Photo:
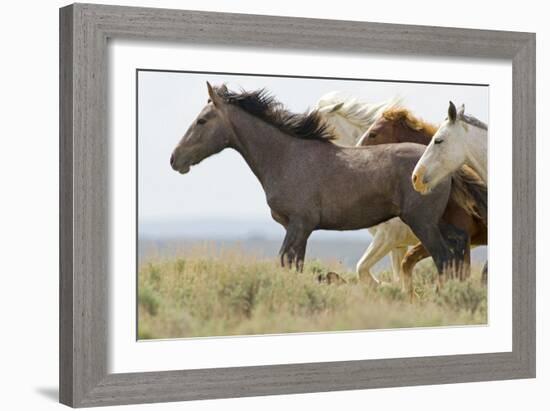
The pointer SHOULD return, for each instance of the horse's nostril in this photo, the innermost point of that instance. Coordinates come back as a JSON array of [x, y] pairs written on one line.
[[415, 178], [172, 159]]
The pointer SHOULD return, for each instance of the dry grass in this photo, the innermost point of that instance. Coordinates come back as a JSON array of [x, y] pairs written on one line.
[[231, 293]]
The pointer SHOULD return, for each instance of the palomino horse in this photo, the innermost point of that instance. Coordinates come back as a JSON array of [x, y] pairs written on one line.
[[461, 139], [467, 206], [311, 184], [349, 119]]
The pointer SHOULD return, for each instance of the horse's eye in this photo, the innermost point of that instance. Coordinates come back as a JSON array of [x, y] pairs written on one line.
[[438, 141], [201, 121], [372, 135]]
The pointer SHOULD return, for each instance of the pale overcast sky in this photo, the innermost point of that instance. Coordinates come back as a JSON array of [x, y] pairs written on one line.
[[223, 187]]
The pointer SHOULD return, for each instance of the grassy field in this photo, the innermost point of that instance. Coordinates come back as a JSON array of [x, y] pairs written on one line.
[[230, 292]]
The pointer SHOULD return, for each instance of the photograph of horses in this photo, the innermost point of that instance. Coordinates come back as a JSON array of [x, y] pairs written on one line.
[[280, 204]]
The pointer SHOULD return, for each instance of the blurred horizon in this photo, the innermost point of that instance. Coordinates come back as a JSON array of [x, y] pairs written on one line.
[[176, 238]]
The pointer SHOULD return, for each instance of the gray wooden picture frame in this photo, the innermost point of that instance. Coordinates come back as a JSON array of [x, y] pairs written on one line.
[[84, 203]]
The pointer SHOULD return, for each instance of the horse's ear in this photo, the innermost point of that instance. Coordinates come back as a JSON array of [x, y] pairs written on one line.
[[223, 89], [336, 107], [214, 98], [460, 113], [451, 113]]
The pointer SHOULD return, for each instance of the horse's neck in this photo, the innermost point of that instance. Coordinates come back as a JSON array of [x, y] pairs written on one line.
[[416, 136], [350, 138], [348, 132], [262, 146], [361, 120], [477, 151]]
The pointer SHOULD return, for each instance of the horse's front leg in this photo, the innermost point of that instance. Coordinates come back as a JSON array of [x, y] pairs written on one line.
[[301, 254], [293, 250], [397, 255], [285, 247], [376, 250]]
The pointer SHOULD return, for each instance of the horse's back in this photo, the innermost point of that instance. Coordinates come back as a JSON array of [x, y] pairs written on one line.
[[406, 151], [386, 157]]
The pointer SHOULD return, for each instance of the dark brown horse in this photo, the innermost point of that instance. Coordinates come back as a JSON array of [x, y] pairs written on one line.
[[399, 125], [312, 184]]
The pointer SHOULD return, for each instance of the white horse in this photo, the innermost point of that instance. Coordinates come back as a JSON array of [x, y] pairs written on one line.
[[350, 119], [461, 139]]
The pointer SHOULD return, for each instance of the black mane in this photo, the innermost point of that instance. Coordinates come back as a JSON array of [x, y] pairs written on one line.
[[261, 104]]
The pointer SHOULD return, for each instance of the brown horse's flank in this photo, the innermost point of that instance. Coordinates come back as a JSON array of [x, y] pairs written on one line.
[[467, 207]]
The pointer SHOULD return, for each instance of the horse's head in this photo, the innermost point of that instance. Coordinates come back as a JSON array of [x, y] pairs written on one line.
[[331, 109], [382, 131], [445, 154], [350, 117], [397, 125], [344, 131], [207, 135]]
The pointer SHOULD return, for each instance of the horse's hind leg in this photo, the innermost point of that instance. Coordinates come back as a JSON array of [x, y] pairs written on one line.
[[377, 249], [411, 258], [459, 245], [432, 238], [417, 254], [397, 255], [484, 273]]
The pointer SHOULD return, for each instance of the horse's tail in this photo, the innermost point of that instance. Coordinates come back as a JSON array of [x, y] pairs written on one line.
[[469, 191]]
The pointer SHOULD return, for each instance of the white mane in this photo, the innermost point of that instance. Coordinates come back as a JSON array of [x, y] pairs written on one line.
[[357, 112]]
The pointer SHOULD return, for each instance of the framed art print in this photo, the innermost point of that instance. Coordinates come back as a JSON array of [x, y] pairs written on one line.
[[257, 205], [215, 231]]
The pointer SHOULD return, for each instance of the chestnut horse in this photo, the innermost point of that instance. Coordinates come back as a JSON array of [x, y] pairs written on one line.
[[399, 125]]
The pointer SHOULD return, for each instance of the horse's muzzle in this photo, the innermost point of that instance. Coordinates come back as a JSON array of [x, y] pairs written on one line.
[[418, 180], [177, 166]]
